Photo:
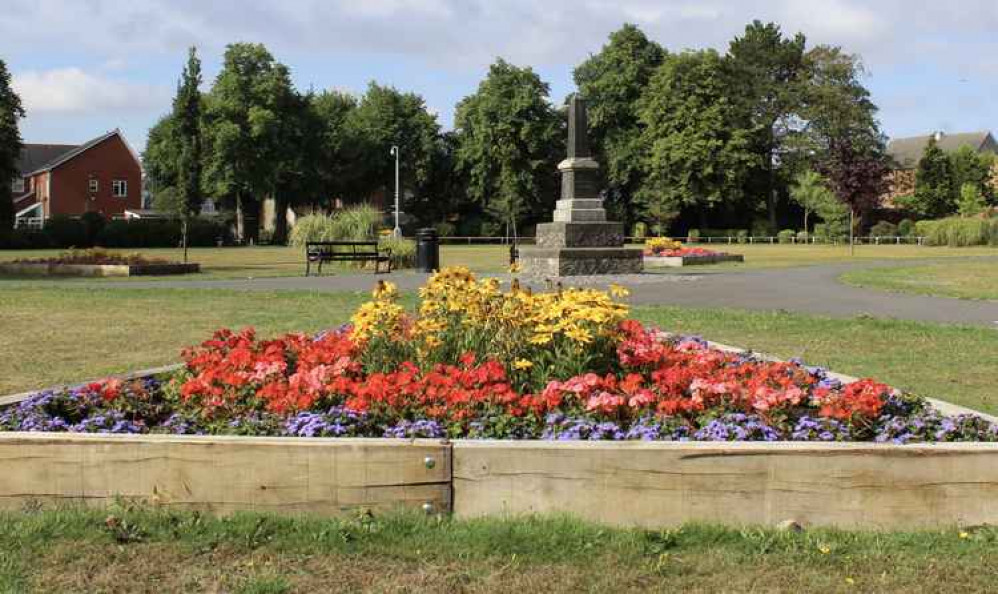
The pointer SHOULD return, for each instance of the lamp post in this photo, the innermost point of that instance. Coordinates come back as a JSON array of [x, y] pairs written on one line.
[[395, 152]]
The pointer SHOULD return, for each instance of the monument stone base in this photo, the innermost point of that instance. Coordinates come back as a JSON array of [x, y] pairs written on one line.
[[580, 261]]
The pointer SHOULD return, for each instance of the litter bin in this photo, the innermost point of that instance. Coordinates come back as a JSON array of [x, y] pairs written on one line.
[[427, 250]]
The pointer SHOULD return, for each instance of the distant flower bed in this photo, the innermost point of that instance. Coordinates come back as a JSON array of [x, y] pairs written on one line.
[[95, 256], [475, 361], [664, 247]]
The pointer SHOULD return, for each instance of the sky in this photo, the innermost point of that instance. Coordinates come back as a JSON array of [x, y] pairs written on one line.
[[83, 67]]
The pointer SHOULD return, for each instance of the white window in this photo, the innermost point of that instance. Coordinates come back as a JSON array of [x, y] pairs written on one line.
[[17, 185], [93, 186], [119, 188]]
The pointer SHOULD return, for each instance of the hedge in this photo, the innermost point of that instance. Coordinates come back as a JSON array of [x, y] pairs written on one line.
[[65, 232]]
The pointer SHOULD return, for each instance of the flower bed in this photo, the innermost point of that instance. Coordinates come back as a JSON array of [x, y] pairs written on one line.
[[477, 362], [662, 251], [96, 262]]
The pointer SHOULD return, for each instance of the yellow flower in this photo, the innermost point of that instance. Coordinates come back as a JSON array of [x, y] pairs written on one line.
[[964, 535], [580, 335], [540, 339], [850, 581], [824, 549], [522, 364], [514, 268], [618, 291], [385, 290]]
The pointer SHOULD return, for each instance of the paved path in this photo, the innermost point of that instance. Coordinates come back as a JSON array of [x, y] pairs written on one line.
[[810, 289]]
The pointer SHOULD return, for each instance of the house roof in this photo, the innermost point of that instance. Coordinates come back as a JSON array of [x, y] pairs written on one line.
[[59, 160], [907, 151], [36, 156]]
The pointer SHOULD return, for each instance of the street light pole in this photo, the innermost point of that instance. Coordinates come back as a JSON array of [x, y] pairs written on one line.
[[398, 230]]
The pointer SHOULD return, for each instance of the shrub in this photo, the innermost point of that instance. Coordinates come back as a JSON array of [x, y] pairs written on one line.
[[445, 229], [354, 223], [956, 231], [786, 236], [802, 237], [742, 235], [141, 233], [24, 239], [403, 250], [761, 228], [693, 235], [884, 229], [65, 232], [906, 228], [821, 233], [640, 231], [93, 223]]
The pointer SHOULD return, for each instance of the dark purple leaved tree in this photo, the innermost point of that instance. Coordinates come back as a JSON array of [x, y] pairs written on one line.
[[857, 174]]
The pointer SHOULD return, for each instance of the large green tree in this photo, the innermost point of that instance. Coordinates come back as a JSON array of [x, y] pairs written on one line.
[[387, 117], [767, 74], [613, 81], [935, 189], [699, 153], [974, 168], [247, 141], [10, 145], [342, 150], [509, 142]]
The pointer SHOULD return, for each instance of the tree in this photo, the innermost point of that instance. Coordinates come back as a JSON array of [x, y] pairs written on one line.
[[812, 194], [971, 201], [187, 115], [613, 82], [245, 139], [340, 158], [769, 69], [698, 151], [508, 143], [857, 174], [161, 155], [386, 117], [935, 194], [970, 167], [10, 146]]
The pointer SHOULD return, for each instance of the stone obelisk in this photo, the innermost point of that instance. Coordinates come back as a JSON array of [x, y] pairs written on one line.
[[580, 241]]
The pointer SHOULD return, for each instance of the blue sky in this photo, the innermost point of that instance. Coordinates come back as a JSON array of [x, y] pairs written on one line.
[[86, 66]]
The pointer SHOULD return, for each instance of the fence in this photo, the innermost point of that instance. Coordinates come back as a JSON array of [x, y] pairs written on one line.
[[749, 240], [35, 223]]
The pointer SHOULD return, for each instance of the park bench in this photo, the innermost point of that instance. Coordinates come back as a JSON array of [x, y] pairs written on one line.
[[317, 252]]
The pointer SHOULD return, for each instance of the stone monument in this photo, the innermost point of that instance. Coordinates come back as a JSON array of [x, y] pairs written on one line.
[[580, 241]]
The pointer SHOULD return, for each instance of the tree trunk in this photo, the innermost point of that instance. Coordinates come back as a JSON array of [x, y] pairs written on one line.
[[280, 236], [240, 219], [852, 228], [806, 232], [183, 236]]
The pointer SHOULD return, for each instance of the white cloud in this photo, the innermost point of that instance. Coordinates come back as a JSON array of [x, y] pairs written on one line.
[[71, 90]]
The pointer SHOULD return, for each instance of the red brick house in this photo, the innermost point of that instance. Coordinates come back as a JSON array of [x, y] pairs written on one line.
[[103, 175]]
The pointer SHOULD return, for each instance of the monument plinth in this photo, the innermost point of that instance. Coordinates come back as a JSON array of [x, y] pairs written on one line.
[[580, 241]]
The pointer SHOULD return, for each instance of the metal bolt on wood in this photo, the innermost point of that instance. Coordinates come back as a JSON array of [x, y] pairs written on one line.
[[429, 462], [428, 507]]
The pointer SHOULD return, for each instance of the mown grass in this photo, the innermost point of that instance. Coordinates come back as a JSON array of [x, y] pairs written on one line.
[[76, 334], [51, 336], [950, 362], [73, 550], [966, 279]]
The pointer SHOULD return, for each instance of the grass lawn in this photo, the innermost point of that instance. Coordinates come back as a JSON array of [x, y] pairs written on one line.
[[77, 334], [966, 279], [73, 550]]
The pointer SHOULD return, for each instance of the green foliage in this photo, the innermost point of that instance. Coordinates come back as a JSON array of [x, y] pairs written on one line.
[[970, 167], [403, 250], [187, 115], [768, 73], [699, 153], [786, 236], [148, 233], [167, 200], [613, 81], [935, 194], [93, 223], [958, 232], [10, 146], [354, 223], [445, 229], [811, 193], [692, 234], [385, 117], [339, 159], [971, 200], [640, 230], [66, 232], [884, 229], [507, 141], [906, 228]]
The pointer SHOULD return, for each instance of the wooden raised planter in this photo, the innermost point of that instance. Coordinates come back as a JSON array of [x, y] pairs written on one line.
[[47, 269], [224, 474], [679, 261]]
